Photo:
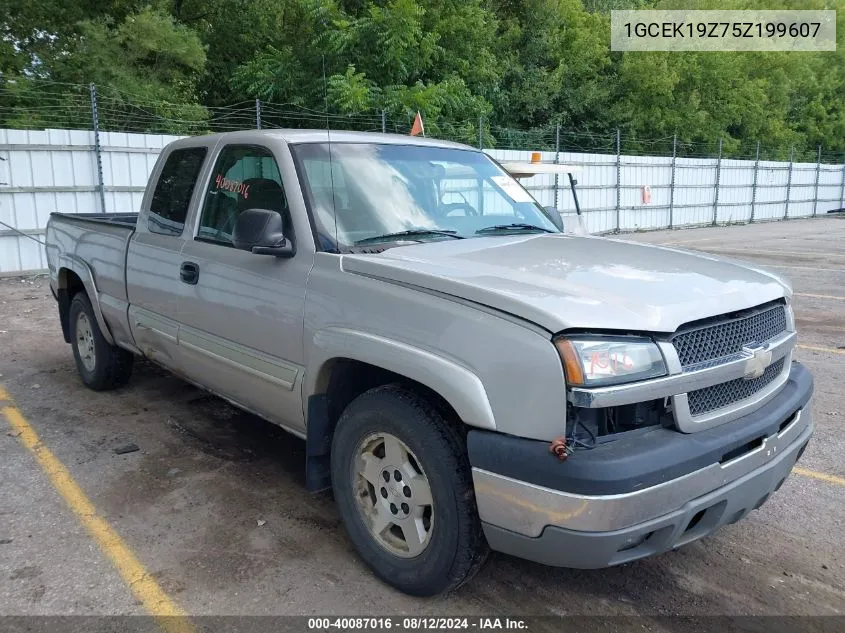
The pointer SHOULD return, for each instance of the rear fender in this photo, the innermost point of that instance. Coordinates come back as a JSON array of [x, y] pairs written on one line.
[[84, 272]]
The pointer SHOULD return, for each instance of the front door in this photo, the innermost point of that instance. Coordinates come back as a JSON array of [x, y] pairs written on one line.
[[241, 323]]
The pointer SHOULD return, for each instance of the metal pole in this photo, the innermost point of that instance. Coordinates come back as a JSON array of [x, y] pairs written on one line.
[[789, 181], [618, 178], [754, 183], [574, 195], [718, 178], [257, 114], [383, 122], [672, 184], [557, 161], [816, 186], [842, 187], [480, 186], [95, 118]]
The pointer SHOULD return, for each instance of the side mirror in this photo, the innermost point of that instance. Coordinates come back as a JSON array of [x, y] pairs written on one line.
[[261, 231], [555, 217]]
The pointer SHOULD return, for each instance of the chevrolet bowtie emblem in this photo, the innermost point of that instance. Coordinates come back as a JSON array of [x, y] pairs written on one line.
[[759, 357]]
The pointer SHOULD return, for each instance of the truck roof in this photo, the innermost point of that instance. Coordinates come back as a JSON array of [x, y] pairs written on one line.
[[322, 136]]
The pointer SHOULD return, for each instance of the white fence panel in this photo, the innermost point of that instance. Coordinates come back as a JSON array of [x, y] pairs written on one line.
[[831, 190], [56, 170], [695, 191], [736, 182], [772, 186], [42, 171], [802, 191]]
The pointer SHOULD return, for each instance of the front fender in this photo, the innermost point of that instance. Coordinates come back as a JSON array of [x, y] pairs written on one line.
[[460, 387], [84, 272]]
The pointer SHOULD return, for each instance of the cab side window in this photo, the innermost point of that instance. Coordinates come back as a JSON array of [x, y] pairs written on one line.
[[175, 186], [244, 177]]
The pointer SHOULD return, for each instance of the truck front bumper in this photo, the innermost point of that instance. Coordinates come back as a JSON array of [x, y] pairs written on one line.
[[627, 498]]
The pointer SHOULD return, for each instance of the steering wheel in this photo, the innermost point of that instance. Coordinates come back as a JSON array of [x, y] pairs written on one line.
[[449, 208]]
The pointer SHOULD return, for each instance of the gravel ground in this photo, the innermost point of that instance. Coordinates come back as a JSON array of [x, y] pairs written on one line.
[[214, 504]]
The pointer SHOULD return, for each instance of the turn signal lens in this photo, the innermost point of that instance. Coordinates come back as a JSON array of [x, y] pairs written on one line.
[[571, 364]]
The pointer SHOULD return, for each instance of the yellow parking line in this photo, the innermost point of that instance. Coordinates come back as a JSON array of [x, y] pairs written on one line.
[[831, 479], [805, 294], [829, 350], [168, 614]]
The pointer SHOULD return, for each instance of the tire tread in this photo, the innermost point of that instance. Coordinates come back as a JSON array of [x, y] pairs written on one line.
[[114, 364]]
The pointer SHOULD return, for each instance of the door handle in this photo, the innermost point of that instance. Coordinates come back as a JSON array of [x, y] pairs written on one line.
[[189, 273]]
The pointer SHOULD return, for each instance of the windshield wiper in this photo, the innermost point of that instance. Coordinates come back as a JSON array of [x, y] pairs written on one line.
[[409, 233], [516, 226]]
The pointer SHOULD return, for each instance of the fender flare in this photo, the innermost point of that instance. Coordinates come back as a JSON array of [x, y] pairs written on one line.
[[84, 272], [459, 386]]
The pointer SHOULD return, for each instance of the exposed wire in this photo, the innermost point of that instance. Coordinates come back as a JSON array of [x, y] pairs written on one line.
[[33, 238], [573, 441]]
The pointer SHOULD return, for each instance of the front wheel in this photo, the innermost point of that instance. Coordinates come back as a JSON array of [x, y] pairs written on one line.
[[403, 486], [100, 364]]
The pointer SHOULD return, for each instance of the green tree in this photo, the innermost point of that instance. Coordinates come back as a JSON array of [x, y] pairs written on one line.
[[520, 64], [557, 64], [780, 98], [147, 54], [241, 32], [146, 66], [400, 56]]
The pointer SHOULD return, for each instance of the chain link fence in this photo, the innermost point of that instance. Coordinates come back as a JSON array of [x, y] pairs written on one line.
[[80, 148]]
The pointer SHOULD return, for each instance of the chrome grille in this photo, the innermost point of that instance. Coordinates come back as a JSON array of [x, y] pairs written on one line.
[[728, 337], [718, 396]]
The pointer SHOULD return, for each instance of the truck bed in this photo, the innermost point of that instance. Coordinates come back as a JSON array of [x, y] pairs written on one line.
[[92, 246]]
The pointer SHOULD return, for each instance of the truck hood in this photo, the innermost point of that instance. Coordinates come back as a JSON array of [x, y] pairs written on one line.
[[561, 282]]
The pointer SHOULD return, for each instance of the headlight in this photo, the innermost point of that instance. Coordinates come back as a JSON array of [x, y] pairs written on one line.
[[599, 361]]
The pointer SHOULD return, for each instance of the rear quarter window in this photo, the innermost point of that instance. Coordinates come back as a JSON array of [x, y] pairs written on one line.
[[175, 186]]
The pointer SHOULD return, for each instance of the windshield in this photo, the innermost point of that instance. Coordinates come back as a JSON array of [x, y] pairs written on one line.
[[369, 193]]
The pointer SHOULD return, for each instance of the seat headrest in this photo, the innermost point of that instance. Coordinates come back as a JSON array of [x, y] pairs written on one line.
[[263, 194]]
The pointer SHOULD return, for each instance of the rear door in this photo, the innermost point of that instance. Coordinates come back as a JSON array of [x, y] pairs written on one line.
[[241, 324], [153, 276]]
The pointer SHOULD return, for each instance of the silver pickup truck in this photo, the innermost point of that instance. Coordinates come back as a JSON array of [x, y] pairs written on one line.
[[466, 376]]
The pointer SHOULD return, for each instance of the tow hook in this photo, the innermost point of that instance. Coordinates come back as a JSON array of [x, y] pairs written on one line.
[[558, 448]]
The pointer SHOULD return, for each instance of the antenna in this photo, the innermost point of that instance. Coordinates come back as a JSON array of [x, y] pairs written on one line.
[[331, 165]]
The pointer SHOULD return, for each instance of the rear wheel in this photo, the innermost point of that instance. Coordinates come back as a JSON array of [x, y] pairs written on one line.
[[101, 365], [404, 489]]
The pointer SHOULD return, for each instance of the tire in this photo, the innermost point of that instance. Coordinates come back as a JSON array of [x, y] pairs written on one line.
[[448, 529], [101, 365]]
